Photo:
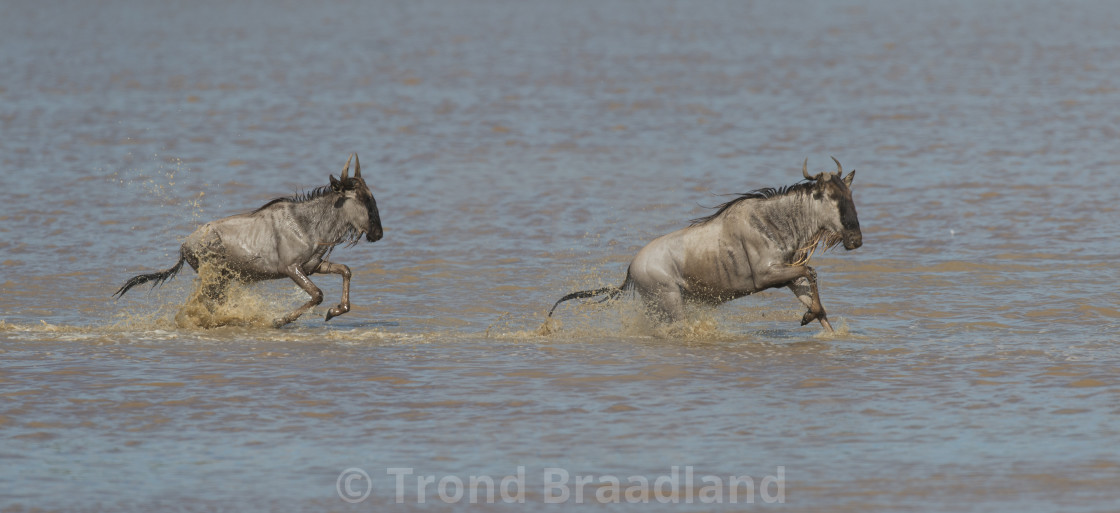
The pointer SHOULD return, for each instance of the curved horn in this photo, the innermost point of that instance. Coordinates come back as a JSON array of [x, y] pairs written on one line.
[[357, 167], [805, 169], [839, 168], [346, 168]]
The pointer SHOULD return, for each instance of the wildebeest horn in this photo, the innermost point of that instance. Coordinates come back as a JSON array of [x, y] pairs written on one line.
[[839, 168], [805, 169], [357, 167], [346, 169]]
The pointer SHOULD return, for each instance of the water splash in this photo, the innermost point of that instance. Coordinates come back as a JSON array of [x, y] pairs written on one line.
[[217, 300], [840, 330], [629, 318]]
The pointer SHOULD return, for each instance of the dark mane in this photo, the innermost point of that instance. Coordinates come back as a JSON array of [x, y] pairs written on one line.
[[759, 194], [299, 197]]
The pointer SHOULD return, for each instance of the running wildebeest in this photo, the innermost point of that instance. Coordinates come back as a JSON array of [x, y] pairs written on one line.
[[763, 239], [288, 237]]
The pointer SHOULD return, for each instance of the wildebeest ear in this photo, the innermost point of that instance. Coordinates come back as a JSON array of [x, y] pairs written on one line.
[[336, 184], [848, 179]]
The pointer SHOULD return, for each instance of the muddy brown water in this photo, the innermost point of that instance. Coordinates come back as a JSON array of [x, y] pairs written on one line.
[[519, 151]]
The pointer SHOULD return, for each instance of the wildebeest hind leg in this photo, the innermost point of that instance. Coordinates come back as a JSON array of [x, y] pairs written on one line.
[[805, 288], [332, 268], [667, 304], [296, 274], [215, 289]]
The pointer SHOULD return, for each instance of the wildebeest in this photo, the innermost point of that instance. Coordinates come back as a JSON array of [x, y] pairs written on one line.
[[289, 237], [760, 240]]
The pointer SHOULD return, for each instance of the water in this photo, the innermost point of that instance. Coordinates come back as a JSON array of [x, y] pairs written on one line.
[[519, 151]]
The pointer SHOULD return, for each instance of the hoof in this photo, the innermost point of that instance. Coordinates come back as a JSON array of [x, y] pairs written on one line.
[[811, 316], [336, 311], [280, 323]]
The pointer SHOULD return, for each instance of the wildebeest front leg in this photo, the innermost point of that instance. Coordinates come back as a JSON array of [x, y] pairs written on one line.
[[802, 280], [805, 288], [296, 274], [332, 268]]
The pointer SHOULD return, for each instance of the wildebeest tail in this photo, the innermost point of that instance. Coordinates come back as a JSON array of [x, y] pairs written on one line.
[[158, 277], [611, 292]]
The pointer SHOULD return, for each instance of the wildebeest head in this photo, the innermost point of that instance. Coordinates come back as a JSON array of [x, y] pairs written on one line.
[[835, 191], [356, 201]]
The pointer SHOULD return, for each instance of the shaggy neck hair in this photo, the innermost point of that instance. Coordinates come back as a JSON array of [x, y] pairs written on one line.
[[313, 211], [757, 194], [299, 197], [785, 224]]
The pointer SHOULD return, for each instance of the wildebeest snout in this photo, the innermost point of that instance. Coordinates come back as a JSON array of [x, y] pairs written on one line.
[[374, 234], [853, 240]]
